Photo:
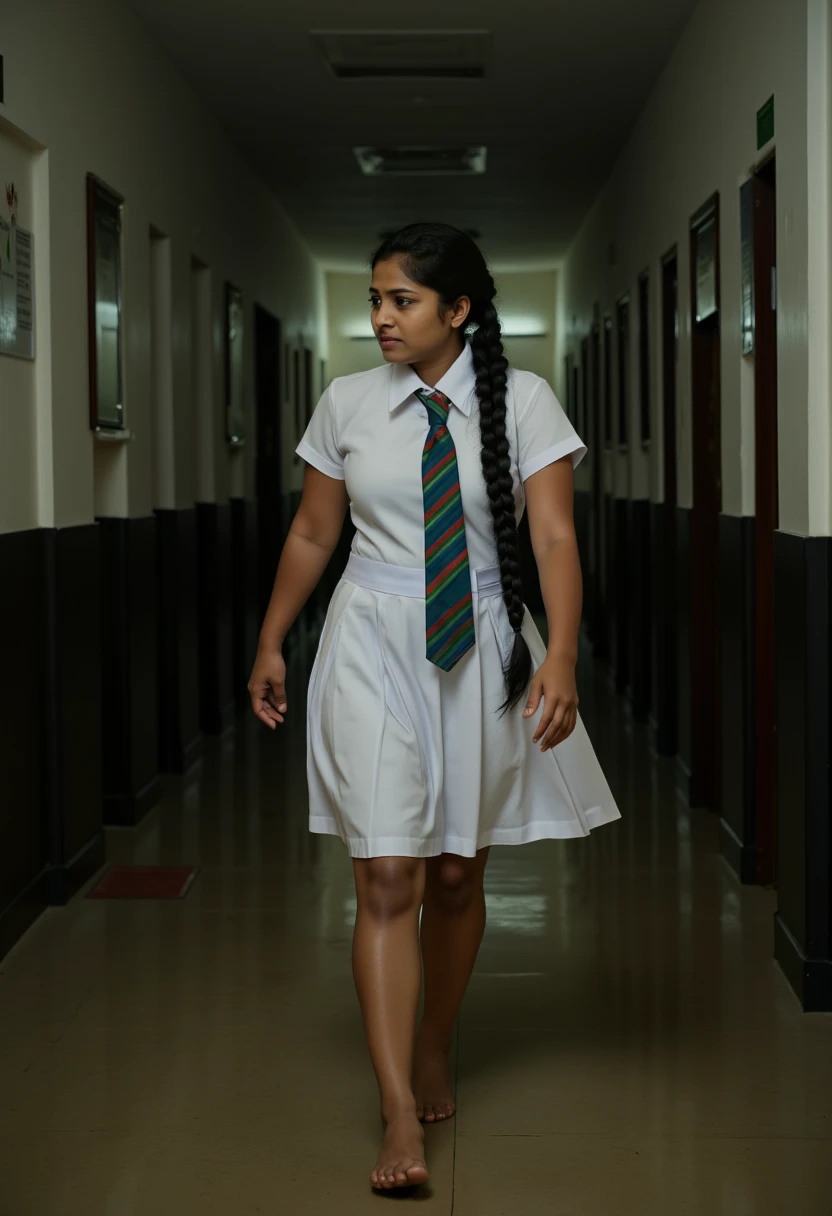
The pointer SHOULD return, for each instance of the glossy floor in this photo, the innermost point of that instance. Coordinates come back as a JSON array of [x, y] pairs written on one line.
[[627, 1044]]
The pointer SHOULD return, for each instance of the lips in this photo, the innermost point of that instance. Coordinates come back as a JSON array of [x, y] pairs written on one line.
[[388, 341]]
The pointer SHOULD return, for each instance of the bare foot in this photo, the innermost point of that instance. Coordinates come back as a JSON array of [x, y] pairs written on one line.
[[401, 1161], [432, 1084]]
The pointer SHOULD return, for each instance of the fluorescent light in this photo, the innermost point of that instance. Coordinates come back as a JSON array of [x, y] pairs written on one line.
[[523, 327]]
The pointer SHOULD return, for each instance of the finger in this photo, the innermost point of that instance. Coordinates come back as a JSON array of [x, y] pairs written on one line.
[[546, 719], [277, 698], [565, 729], [534, 698], [559, 712], [265, 711]]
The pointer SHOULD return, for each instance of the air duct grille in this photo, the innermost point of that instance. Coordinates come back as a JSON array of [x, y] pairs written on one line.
[[405, 54], [392, 162]]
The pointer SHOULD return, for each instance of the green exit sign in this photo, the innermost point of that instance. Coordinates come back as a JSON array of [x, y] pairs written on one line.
[[765, 123]]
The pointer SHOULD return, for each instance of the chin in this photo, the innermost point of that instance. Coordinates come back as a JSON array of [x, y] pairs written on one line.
[[397, 354]]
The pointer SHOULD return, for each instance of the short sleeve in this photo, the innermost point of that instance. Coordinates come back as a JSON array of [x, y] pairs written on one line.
[[319, 445], [544, 433]]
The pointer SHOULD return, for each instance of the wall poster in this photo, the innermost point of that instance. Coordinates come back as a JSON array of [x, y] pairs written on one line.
[[17, 283]]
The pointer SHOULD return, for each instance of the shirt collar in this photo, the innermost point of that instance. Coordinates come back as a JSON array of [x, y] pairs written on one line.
[[458, 383]]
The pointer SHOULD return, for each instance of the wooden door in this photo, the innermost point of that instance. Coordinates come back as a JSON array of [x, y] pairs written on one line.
[[268, 347], [706, 690], [766, 510]]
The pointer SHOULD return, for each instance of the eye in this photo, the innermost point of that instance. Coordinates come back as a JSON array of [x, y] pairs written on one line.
[[374, 300], [401, 301]]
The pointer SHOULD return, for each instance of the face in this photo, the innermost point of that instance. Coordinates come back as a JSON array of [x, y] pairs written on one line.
[[408, 319]]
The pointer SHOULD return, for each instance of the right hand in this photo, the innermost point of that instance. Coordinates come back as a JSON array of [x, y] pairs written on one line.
[[267, 687]]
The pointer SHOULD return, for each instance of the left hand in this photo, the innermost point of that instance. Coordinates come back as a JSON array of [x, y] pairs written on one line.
[[554, 680]]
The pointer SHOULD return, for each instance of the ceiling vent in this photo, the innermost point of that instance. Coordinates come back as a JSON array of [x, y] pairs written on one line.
[[405, 54], [400, 162]]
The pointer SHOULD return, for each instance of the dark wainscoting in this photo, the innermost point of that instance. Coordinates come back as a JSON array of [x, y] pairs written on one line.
[[74, 732], [50, 708], [129, 610], [216, 696], [24, 852], [622, 558], [683, 752], [664, 708], [244, 608], [180, 740], [802, 568], [609, 567], [736, 547], [641, 614]]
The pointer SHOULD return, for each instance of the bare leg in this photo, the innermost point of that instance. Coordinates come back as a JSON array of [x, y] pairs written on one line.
[[453, 923], [388, 978]]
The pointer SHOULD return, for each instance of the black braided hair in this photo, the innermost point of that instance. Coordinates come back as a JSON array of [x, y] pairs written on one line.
[[451, 263]]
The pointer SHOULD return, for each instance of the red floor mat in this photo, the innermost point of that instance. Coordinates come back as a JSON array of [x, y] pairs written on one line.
[[144, 882]]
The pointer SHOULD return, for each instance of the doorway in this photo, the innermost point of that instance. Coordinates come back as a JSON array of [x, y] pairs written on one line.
[[268, 347], [706, 698], [600, 647], [666, 667], [623, 590], [767, 516]]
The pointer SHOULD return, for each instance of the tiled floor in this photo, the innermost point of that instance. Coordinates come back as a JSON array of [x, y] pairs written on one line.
[[627, 1044]]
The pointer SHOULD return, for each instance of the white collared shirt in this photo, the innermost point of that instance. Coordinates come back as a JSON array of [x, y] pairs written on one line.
[[369, 430]]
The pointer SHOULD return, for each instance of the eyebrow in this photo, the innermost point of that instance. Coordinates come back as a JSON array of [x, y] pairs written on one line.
[[395, 291]]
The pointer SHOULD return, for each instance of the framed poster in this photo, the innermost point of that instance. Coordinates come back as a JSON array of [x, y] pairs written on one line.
[[747, 265], [705, 238], [234, 367], [104, 279], [17, 283], [623, 316]]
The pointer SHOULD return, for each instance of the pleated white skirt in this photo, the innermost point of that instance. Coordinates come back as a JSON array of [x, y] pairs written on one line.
[[404, 759]]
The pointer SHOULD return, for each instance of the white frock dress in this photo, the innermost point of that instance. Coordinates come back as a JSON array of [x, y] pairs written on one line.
[[404, 759]]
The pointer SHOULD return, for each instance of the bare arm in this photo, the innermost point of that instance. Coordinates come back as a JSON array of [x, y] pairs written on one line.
[[549, 499], [549, 502], [309, 545]]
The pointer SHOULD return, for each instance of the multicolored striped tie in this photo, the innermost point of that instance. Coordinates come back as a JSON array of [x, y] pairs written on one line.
[[449, 612]]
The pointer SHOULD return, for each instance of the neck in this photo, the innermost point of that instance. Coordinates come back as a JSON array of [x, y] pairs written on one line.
[[433, 368]]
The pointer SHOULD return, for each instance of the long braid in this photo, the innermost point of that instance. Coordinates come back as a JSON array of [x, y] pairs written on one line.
[[449, 262], [491, 366]]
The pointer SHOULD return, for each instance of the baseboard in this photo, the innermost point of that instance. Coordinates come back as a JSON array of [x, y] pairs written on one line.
[[810, 978], [21, 913], [741, 857], [63, 881], [683, 779], [127, 810]]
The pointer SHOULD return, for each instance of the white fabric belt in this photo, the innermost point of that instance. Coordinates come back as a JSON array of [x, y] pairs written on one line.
[[410, 580]]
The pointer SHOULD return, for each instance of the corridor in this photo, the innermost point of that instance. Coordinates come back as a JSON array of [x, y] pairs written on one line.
[[627, 1045]]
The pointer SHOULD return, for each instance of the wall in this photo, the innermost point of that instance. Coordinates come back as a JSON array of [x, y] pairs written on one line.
[[697, 135], [111, 104]]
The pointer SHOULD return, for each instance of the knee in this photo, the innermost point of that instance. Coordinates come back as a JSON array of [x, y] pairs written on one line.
[[390, 886], [455, 884]]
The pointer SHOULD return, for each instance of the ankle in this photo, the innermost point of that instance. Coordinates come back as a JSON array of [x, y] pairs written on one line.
[[430, 1039], [398, 1108]]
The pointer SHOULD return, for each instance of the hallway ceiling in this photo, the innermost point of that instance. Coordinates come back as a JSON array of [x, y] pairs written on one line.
[[565, 83]]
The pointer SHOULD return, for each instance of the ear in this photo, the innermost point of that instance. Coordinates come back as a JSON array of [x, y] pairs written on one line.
[[461, 309]]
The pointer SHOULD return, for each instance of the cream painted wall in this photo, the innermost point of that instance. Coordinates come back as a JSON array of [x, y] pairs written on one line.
[[86, 83], [521, 296], [697, 135]]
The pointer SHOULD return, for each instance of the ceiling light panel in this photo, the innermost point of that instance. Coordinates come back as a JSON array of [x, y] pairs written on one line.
[[405, 54]]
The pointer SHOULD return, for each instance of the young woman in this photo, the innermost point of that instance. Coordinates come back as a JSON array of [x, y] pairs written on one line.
[[437, 721]]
